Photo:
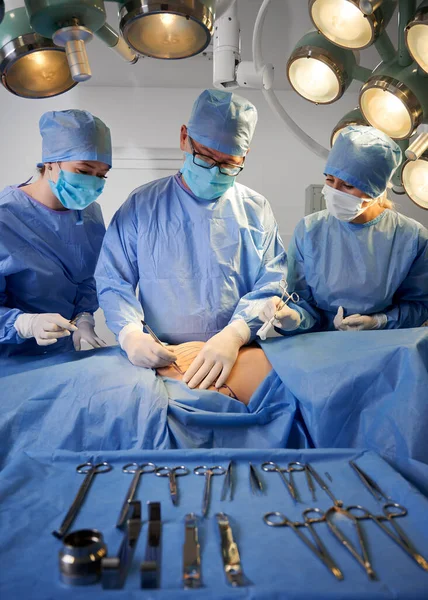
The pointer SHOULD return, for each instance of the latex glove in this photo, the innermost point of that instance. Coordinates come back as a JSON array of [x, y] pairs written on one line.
[[142, 350], [46, 328], [363, 322], [286, 318], [85, 324], [338, 319], [216, 359]]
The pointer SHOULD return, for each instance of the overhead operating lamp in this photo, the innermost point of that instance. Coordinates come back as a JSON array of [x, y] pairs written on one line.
[[415, 180], [320, 71], [344, 23], [353, 117], [417, 36], [31, 66], [168, 30], [394, 99], [1, 10]]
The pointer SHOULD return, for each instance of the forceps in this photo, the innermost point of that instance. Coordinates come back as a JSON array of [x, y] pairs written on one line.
[[262, 332], [398, 535], [90, 470], [172, 473], [208, 472], [369, 483], [277, 519], [292, 467], [137, 471]]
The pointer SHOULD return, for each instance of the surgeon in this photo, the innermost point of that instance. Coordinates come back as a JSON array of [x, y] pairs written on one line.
[[202, 249], [360, 264], [50, 238]]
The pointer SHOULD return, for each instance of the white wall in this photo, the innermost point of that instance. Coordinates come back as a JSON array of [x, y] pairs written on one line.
[[278, 166]]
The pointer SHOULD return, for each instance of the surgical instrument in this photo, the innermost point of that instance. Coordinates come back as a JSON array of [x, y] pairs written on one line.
[[230, 553], [137, 471], [277, 519], [150, 568], [263, 331], [292, 467], [323, 485], [398, 535], [255, 481], [81, 556], [229, 482], [90, 470], [157, 340], [191, 554], [172, 473], [370, 483], [208, 472], [115, 569]]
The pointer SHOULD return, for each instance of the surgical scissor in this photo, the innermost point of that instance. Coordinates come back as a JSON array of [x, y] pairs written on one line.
[[90, 470], [136, 470], [172, 473], [292, 467], [263, 331], [277, 519], [208, 472], [398, 535]]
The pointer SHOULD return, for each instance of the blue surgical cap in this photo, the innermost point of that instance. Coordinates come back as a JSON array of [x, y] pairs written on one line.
[[74, 135], [223, 121], [365, 158]]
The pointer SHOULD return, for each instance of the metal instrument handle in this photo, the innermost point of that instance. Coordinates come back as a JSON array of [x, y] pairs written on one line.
[[191, 554], [230, 552]]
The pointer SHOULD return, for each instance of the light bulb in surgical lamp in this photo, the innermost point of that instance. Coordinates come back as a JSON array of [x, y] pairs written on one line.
[[389, 105], [168, 31], [415, 181], [417, 36], [31, 66], [343, 23]]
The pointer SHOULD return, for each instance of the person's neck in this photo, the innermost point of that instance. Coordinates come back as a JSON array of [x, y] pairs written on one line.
[[41, 191], [369, 214]]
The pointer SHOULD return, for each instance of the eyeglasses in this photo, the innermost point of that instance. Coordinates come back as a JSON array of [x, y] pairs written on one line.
[[206, 162]]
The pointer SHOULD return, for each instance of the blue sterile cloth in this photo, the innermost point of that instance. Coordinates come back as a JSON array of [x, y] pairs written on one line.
[[98, 400], [359, 389], [37, 490]]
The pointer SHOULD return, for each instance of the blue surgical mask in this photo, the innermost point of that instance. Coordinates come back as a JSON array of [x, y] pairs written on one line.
[[207, 184], [76, 191]]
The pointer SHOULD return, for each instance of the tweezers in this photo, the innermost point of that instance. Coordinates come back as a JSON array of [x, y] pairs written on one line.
[[370, 483], [255, 481], [228, 483], [150, 568]]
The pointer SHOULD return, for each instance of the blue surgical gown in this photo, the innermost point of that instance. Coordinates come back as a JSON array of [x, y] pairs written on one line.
[[376, 267], [198, 264], [47, 264]]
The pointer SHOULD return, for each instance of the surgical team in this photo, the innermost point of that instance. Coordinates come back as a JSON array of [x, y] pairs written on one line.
[[202, 250]]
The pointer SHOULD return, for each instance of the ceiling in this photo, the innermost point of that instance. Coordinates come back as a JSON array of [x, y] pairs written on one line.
[[286, 22]]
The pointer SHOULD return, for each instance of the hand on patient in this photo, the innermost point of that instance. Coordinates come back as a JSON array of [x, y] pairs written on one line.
[[215, 361], [143, 351], [286, 318], [359, 322]]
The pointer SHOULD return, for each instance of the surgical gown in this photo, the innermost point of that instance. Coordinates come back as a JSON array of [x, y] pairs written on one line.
[[47, 264], [198, 263], [376, 267]]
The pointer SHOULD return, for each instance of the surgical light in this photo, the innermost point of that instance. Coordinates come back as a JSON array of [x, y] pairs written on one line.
[[391, 105], [415, 180], [168, 30], [344, 24], [417, 36], [318, 70], [31, 66], [353, 117], [1, 10]]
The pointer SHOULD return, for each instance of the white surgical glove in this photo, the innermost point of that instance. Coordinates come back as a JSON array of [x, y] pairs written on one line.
[[142, 350], [215, 361], [46, 328], [338, 319], [287, 318], [85, 324], [363, 322]]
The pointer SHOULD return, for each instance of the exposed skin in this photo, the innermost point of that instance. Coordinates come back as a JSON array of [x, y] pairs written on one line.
[[226, 159], [368, 215], [41, 191]]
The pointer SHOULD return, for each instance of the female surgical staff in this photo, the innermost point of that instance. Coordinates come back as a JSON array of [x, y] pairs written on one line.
[[359, 264], [50, 238]]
